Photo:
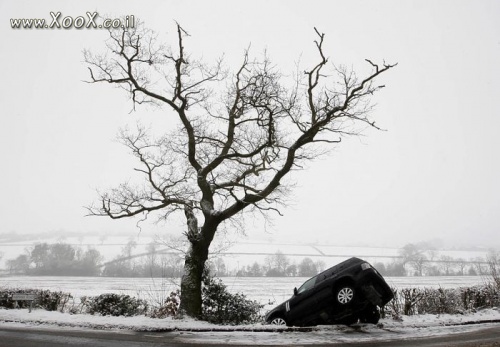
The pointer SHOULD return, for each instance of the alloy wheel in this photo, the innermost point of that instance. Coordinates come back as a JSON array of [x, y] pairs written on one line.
[[278, 321], [345, 295]]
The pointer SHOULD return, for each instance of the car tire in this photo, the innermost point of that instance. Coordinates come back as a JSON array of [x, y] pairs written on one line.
[[278, 320], [370, 315], [344, 295]]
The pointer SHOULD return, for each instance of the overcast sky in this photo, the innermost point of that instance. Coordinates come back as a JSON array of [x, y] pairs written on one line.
[[434, 174]]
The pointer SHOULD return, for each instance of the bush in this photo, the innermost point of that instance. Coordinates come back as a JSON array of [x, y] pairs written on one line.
[[111, 304], [439, 301], [169, 308], [50, 301], [480, 297], [221, 307], [411, 301]]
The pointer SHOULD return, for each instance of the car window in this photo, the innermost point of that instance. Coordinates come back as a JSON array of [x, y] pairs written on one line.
[[307, 285]]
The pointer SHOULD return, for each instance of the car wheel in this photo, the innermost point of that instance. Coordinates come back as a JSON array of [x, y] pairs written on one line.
[[370, 315], [344, 295], [278, 321]]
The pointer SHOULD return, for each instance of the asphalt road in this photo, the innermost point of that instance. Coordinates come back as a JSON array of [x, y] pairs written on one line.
[[487, 336]]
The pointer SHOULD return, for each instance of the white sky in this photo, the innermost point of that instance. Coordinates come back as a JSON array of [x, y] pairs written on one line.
[[433, 175]]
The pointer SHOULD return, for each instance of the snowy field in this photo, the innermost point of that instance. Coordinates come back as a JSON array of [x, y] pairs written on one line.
[[266, 290]]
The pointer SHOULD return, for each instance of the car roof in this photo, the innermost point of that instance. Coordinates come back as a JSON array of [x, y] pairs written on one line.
[[339, 267]]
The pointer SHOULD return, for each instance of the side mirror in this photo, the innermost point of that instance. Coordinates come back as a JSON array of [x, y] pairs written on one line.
[[295, 292]]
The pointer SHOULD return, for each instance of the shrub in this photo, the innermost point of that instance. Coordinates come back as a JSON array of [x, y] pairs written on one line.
[[221, 307], [494, 265], [411, 298], [169, 308], [53, 301], [111, 304], [439, 301], [395, 306], [480, 296], [46, 299], [411, 301]]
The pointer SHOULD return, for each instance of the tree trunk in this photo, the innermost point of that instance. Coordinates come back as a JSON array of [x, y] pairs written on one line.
[[194, 263]]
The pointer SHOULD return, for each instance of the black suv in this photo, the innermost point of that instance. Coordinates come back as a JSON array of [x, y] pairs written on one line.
[[345, 293]]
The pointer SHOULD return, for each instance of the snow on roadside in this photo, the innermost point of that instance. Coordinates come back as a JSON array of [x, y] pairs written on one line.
[[203, 332]]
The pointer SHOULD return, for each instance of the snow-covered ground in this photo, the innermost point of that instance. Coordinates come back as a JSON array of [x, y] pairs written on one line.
[[202, 332], [266, 290]]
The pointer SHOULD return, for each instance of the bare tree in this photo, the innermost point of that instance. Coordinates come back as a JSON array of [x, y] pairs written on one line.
[[217, 266], [414, 255], [462, 264], [478, 264], [239, 134], [446, 264], [277, 264], [307, 268], [493, 259]]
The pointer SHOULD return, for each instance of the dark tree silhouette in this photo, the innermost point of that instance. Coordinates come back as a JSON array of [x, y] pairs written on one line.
[[239, 134], [414, 255]]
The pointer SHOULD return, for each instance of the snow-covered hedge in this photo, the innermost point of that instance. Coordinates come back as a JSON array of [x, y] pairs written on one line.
[[222, 307], [111, 304], [411, 301], [45, 299]]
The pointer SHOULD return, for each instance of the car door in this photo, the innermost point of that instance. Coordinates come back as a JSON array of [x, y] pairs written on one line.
[[324, 294], [324, 291], [301, 305]]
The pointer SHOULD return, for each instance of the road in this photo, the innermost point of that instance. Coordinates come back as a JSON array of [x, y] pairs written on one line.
[[487, 337], [484, 336]]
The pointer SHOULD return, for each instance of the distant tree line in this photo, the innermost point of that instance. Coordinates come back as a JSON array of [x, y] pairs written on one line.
[[152, 264], [421, 259], [414, 260], [61, 259], [279, 265]]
